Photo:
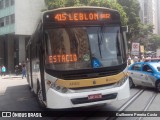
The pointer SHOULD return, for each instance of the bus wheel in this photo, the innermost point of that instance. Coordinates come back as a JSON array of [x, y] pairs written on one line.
[[131, 84], [40, 97], [158, 86]]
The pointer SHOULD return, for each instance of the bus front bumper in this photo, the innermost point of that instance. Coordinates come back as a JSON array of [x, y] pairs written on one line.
[[57, 100]]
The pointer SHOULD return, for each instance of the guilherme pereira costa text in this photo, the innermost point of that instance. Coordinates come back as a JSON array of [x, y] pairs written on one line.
[[136, 114]]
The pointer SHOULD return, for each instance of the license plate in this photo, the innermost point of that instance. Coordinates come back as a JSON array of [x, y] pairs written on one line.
[[95, 96]]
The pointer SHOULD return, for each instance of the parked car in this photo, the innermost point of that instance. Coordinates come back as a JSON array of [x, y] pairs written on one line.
[[145, 74]]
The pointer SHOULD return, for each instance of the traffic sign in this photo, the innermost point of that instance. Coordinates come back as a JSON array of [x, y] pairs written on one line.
[[135, 47]]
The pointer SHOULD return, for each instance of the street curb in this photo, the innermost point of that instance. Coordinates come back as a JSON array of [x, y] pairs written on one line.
[[9, 77]]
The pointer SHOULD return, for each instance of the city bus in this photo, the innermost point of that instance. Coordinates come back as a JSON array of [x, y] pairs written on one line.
[[77, 57]]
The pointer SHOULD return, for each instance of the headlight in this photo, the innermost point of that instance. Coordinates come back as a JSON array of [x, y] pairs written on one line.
[[58, 88], [64, 90], [121, 82]]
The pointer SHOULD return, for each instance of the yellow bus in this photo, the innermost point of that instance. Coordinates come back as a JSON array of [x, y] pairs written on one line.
[[77, 57]]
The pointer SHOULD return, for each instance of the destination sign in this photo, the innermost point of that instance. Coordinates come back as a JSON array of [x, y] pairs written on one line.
[[81, 16], [65, 58]]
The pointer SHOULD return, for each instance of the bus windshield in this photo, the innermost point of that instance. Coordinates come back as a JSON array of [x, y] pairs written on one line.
[[84, 47]]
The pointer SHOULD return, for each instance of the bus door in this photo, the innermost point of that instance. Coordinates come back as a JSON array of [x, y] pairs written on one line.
[[29, 66], [42, 64]]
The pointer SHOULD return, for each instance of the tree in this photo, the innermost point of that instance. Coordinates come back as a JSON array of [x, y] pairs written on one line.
[[132, 8], [138, 32], [52, 4], [155, 42], [142, 34]]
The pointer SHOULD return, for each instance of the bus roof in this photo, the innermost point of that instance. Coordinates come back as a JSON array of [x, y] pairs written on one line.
[[81, 13], [78, 7]]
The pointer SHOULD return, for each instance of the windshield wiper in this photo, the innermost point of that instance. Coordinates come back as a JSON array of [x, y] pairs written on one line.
[[99, 42], [100, 38], [118, 45]]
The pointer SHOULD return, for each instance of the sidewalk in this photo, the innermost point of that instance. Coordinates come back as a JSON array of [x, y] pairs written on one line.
[[10, 80], [10, 76], [15, 95]]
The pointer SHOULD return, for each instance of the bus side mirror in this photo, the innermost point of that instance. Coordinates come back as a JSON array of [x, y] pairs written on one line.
[[125, 29]]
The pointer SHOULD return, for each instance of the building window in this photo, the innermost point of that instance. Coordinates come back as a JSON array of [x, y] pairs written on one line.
[[12, 18], [6, 3], [7, 20], [1, 22], [1, 4], [12, 2]]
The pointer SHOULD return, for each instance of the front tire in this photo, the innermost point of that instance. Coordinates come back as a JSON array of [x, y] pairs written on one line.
[[131, 84], [40, 97], [158, 86]]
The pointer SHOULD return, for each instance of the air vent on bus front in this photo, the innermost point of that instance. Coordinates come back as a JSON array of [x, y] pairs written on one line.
[[89, 75]]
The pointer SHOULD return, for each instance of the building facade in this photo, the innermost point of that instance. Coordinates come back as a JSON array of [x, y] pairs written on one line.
[[158, 15], [149, 13], [18, 20]]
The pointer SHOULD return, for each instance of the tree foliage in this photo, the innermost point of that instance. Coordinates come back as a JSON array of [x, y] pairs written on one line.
[[132, 8], [52, 4], [154, 42], [139, 32]]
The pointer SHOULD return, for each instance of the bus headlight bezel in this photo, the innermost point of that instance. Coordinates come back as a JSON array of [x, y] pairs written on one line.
[[122, 81], [59, 88]]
